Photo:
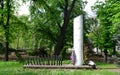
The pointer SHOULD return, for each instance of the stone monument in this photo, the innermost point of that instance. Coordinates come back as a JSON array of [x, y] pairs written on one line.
[[78, 40]]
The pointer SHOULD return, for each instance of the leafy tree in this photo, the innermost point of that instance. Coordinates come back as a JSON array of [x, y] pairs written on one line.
[[9, 24], [93, 33], [109, 22], [55, 20], [5, 11]]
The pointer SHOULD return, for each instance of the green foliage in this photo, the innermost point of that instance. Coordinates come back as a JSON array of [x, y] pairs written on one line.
[[11, 27], [105, 13], [42, 27], [18, 30], [109, 21], [38, 52], [15, 25], [48, 18]]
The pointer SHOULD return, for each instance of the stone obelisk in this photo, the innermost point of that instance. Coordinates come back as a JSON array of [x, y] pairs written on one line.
[[78, 40]]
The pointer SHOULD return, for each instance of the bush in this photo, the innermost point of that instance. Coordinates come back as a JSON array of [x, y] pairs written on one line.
[[38, 52]]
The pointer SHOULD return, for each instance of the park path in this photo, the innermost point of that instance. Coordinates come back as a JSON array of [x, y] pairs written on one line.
[[115, 70], [112, 69]]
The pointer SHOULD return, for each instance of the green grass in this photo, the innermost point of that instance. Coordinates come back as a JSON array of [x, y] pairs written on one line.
[[66, 61], [15, 68], [104, 65], [99, 64]]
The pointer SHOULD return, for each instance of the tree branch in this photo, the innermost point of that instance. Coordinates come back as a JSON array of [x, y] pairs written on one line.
[[71, 7], [65, 10], [59, 25], [8, 13]]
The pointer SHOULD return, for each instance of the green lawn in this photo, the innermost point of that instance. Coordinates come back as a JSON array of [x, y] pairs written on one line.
[[104, 65], [15, 68]]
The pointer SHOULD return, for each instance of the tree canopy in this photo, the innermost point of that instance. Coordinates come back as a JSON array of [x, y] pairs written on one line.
[[55, 20], [107, 13]]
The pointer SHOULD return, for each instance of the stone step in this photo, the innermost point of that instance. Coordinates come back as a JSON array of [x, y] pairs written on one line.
[[57, 67]]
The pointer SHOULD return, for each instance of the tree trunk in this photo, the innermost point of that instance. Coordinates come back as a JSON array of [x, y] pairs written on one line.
[[105, 56], [60, 43], [114, 48], [61, 40], [114, 51], [97, 50], [6, 27], [6, 51]]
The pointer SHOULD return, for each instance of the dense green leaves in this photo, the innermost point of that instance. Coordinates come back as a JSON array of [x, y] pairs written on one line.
[[53, 20], [108, 15]]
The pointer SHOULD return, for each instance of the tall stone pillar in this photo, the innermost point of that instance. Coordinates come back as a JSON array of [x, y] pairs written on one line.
[[78, 40]]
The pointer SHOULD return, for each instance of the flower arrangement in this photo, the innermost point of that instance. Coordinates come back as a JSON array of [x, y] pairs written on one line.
[[73, 57]]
